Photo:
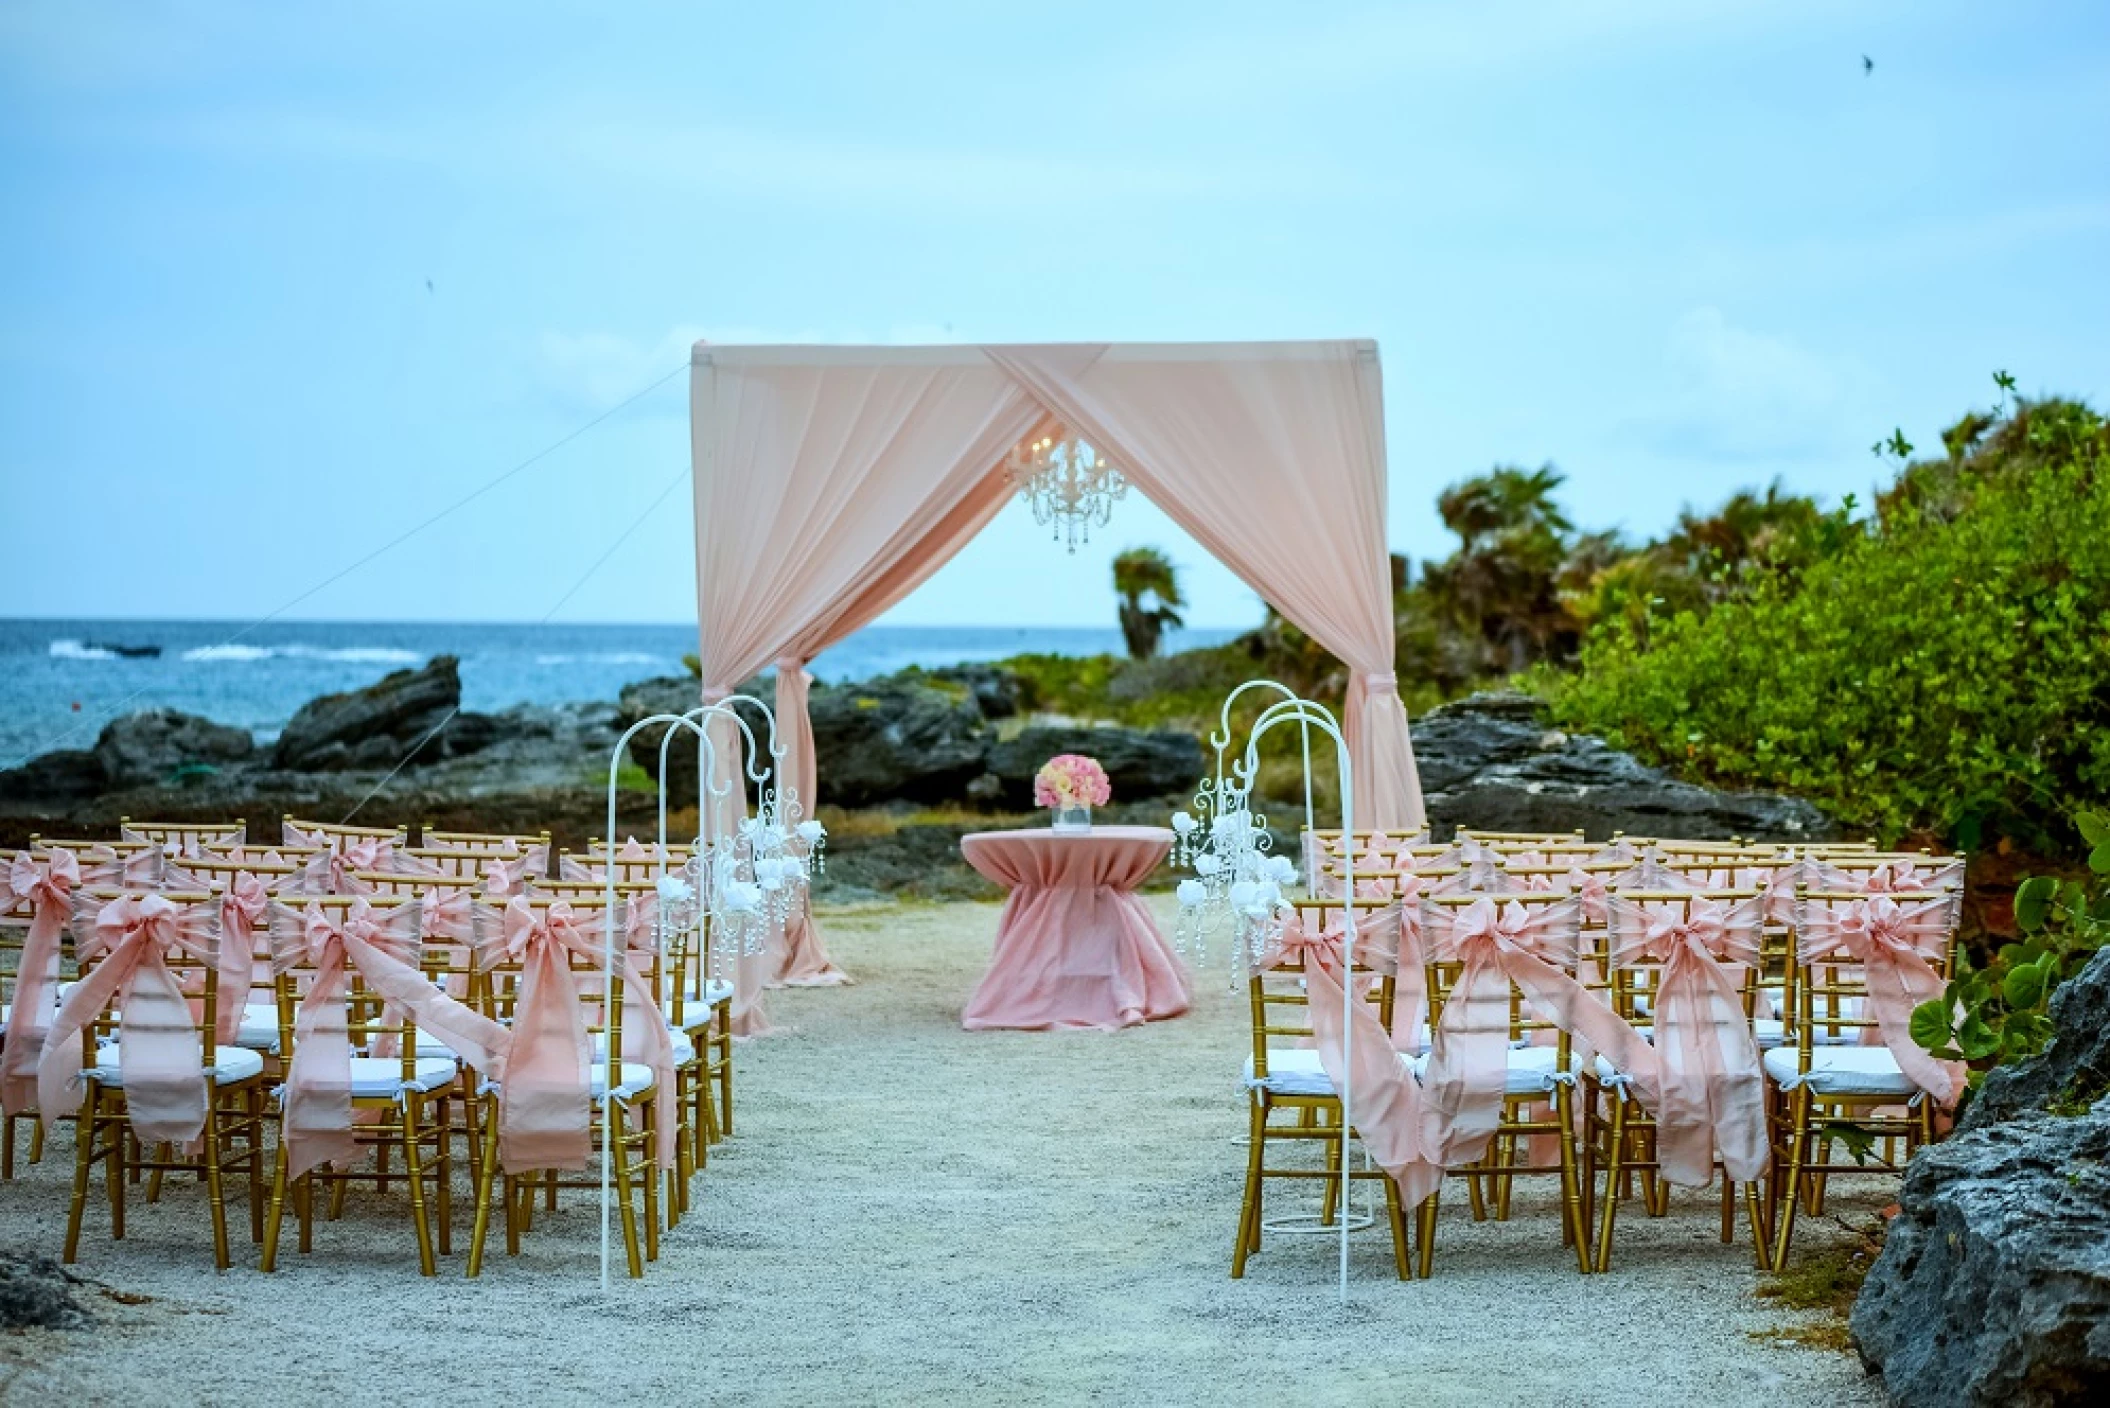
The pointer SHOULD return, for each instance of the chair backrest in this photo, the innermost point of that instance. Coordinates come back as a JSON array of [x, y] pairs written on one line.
[[593, 863], [1442, 973], [449, 862], [333, 835], [375, 1025], [184, 837], [397, 884], [1528, 838], [485, 843], [1827, 983], [498, 980], [83, 846], [1630, 985], [215, 872], [1279, 1000], [197, 974]]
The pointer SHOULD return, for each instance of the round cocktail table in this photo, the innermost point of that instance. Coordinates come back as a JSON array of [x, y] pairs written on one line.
[[1075, 947]]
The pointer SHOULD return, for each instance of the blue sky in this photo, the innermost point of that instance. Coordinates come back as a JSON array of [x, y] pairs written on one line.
[[1674, 249]]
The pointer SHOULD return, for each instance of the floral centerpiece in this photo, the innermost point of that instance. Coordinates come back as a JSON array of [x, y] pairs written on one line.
[[1070, 785]]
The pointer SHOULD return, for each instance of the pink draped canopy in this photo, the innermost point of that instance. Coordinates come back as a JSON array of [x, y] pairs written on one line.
[[830, 482]]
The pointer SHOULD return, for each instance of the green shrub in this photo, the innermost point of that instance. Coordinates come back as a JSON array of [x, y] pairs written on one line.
[[1945, 670]]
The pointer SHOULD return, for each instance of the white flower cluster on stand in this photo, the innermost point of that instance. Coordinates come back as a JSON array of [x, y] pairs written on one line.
[[755, 877], [1237, 887]]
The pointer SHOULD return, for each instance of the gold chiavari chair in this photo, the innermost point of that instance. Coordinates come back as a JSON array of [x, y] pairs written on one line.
[[403, 1086], [232, 1139], [1824, 1083], [1537, 1098], [692, 1077], [14, 930], [643, 864], [1283, 1076], [182, 838], [536, 851], [214, 872], [623, 1119], [1618, 1132]]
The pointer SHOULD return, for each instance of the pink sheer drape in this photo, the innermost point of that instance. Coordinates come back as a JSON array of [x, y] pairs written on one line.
[[831, 482], [1273, 456]]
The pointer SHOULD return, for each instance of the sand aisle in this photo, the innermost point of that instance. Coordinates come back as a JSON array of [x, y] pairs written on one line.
[[913, 1213]]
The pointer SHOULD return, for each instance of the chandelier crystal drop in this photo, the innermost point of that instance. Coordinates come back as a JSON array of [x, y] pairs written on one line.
[[1068, 484]]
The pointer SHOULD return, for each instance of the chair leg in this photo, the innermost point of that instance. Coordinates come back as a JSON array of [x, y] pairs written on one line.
[[611, 1128], [1249, 1207], [1425, 1233], [486, 1171], [1571, 1185], [253, 1106], [277, 1214], [1791, 1194], [415, 1174], [222, 1258], [1396, 1214], [83, 1155], [443, 1177], [114, 1178], [1330, 1188], [1614, 1172]]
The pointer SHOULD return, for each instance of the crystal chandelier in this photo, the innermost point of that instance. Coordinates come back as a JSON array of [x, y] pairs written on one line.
[[1237, 884], [1069, 485], [751, 880]]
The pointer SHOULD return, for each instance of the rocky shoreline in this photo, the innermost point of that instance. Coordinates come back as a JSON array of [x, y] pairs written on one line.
[[910, 762]]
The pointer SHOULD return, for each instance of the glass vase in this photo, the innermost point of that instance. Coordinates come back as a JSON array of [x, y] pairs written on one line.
[[1074, 819]]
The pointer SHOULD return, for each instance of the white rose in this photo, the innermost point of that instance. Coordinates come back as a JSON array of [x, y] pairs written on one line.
[[1191, 893], [742, 898], [1206, 865], [673, 890], [811, 832], [1243, 894], [1182, 825]]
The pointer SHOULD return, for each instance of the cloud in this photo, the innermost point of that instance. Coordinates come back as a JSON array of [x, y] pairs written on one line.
[[1733, 394]]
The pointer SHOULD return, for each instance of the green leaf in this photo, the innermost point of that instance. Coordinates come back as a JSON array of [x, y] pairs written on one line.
[[2094, 827], [1931, 1024], [2023, 986], [1857, 1141], [1975, 1039], [2033, 899]]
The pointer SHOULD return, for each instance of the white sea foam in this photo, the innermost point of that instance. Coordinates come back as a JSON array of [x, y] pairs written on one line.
[[612, 657], [79, 650], [348, 655]]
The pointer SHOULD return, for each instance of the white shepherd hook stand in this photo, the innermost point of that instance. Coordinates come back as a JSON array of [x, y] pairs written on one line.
[[1314, 716]]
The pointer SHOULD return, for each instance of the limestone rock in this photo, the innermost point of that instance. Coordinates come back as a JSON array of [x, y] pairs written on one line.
[[374, 727], [1993, 1286], [1490, 762], [1139, 763], [148, 748]]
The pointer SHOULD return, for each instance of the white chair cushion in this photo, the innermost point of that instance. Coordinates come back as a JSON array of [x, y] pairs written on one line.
[[636, 1080], [716, 991], [230, 1064], [259, 1026], [1531, 1070], [684, 1049], [1841, 1070], [382, 1076], [1295, 1070]]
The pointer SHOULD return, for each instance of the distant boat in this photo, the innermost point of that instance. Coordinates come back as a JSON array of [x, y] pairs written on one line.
[[128, 652]]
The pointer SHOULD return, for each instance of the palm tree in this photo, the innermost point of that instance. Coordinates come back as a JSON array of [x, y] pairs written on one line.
[[1140, 573]]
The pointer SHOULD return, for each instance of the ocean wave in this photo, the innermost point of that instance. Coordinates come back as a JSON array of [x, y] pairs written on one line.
[[347, 655], [609, 657], [79, 650]]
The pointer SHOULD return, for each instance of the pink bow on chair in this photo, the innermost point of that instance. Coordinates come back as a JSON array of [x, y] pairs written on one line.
[[318, 1100], [1709, 1091], [1897, 947], [244, 908], [1467, 1072], [46, 888], [1385, 1102], [164, 1067], [545, 1119]]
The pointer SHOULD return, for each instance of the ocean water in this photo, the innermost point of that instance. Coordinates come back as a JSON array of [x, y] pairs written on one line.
[[61, 681]]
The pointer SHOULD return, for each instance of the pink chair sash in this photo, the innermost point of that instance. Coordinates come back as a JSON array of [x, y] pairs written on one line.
[[46, 887], [545, 1111], [1709, 1089], [245, 907], [164, 1067], [1898, 877], [1529, 947], [1896, 946], [1385, 1102], [318, 1096], [331, 871]]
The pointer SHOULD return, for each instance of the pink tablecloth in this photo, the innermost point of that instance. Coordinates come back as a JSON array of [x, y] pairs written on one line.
[[1075, 947]]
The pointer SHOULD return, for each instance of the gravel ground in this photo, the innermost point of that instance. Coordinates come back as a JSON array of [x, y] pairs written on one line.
[[912, 1212]]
